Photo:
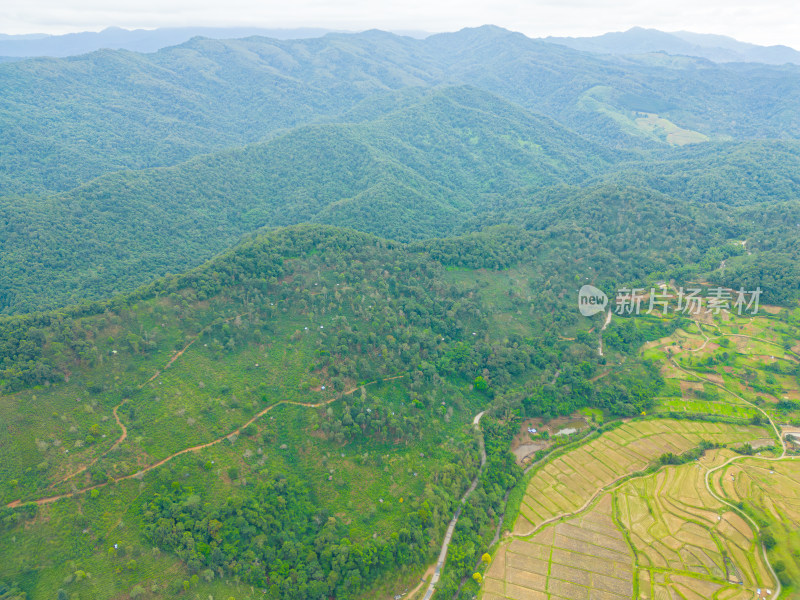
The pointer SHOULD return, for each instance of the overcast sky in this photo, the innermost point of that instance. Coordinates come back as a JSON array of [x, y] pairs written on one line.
[[763, 22]]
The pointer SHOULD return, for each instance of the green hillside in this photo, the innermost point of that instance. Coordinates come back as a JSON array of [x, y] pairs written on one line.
[[416, 172], [66, 121], [331, 368], [275, 314]]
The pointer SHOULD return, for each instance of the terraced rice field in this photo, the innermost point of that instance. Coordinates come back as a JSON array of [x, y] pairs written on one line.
[[582, 558], [582, 533], [766, 483], [568, 482], [658, 537], [704, 407], [689, 545], [772, 490]]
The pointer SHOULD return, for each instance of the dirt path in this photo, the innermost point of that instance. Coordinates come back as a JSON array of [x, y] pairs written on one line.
[[116, 445], [422, 581], [705, 337], [794, 356], [121, 425], [777, 592], [602, 329], [448, 536], [735, 395], [175, 357], [196, 448]]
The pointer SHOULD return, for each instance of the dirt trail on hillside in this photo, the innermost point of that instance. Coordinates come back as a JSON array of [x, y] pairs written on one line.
[[448, 536], [124, 434], [114, 446], [175, 357], [195, 448]]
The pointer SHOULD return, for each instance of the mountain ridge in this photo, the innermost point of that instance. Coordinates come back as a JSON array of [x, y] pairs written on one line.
[[65, 121], [717, 48]]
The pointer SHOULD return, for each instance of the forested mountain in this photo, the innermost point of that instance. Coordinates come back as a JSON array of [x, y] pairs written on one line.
[[338, 360], [70, 120], [257, 293], [418, 171], [417, 165], [65, 121], [735, 173], [136, 40]]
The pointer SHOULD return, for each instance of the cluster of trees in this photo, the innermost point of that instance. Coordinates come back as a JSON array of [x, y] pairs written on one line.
[[627, 335], [622, 392], [373, 418], [670, 458], [278, 539], [34, 349]]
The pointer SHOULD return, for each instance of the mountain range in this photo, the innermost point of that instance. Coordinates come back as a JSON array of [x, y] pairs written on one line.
[[143, 40], [716, 48], [637, 40], [403, 138], [273, 311]]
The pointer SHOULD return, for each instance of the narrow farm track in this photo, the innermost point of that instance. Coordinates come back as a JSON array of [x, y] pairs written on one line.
[[123, 436], [448, 536], [602, 329], [175, 357], [789, 353], [195, 448], [705, 337]]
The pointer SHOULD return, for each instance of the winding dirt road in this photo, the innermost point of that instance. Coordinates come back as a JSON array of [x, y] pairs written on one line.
[[448, 536], [196, 448]]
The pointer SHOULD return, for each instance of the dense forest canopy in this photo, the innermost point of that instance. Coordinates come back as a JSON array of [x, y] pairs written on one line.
[[420, 165]]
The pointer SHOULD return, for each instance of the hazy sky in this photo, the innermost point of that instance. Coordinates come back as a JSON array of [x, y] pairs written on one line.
[[761, 22]]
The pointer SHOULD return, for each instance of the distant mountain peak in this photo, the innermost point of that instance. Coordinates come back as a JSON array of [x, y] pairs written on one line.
[[717, 48]]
